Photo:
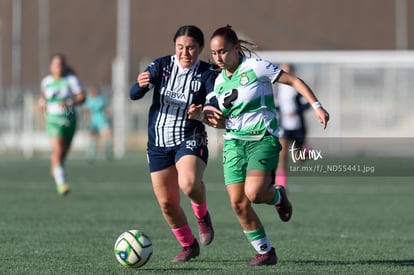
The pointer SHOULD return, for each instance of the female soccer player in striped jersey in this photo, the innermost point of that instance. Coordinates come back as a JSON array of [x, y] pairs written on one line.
[[177, 146], [251, 148], [291, 107]]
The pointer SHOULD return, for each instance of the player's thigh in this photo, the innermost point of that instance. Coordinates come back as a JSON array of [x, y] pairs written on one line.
[[57, 143], [263, 158], [234, 161], [106, 132], [165, 186], [160, 158], [258, 185], [191, 159], [61, 137], [190, 169], [263, 154], [69, 130]]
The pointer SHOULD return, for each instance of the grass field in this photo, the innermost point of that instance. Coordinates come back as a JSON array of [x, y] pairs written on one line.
[[341, 225]]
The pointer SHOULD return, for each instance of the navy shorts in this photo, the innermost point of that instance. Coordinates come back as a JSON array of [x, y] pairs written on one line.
[[296, 135], [160, 158]]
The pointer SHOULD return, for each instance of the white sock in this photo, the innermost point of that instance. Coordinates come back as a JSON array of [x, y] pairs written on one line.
[[59, 174], [262, 246]]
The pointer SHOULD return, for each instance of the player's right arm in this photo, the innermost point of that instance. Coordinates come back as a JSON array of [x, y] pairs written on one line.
[[42, 102], [42, 99], [145, 81], [141, 87], [209, 115]]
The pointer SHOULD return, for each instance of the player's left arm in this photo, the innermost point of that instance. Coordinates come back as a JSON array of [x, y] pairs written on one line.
[[299, 85], [79, 94]]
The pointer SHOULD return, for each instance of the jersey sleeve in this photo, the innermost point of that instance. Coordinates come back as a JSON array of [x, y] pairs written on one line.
[[136, 92], [211, 99], [43, 84], [75, 84], [266, 70]]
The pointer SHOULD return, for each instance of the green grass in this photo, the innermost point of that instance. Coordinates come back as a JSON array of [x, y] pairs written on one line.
[[341, 225]]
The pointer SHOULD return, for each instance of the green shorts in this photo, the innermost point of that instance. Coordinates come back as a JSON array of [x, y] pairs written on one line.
[[61, 126], [240, 156]]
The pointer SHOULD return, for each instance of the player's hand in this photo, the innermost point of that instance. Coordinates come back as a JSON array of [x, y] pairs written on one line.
[[42, 104], [143, 79], [195, 111], [322, 115], [214, 117]]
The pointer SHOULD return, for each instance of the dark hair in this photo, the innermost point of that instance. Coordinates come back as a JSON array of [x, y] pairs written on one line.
[[191, 31], [66, 69], [230, 36]]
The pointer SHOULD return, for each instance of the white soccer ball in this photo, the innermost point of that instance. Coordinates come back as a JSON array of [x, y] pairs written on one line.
[[133, 248]]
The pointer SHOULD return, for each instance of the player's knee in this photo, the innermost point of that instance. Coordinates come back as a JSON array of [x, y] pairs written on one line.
[[191, 187], [239, 207], [187, 187], [253, 195]]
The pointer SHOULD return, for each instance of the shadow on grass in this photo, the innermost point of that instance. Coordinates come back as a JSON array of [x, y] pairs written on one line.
[[361, 262], [181, 269], [186, 266]]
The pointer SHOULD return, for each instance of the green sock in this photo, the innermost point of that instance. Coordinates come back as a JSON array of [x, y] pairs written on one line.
[[258, 240], [255, 234]]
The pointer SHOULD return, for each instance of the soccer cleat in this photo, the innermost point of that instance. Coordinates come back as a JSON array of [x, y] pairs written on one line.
[[63, 189], [188, 252], [205, 230], [284, 208], [269, 258]]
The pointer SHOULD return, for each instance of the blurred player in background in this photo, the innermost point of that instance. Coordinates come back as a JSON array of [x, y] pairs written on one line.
[[61, 91], [96, 105], [251, 148], [177, 146], [291, 106]]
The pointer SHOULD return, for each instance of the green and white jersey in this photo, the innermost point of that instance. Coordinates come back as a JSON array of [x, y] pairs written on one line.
[[247, 101], [57, 91]]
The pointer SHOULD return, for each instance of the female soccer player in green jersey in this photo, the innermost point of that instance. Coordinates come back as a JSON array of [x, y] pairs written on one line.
[[61, 91], [251, 147]]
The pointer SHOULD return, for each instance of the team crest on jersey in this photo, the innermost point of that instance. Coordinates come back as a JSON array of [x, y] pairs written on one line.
[[195, 85], [244, 79]]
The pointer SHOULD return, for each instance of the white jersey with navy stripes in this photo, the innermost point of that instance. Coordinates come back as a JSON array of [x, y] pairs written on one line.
[[175, 89]]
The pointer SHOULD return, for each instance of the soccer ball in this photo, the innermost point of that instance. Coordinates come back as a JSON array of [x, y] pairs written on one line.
[[133, 248]]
